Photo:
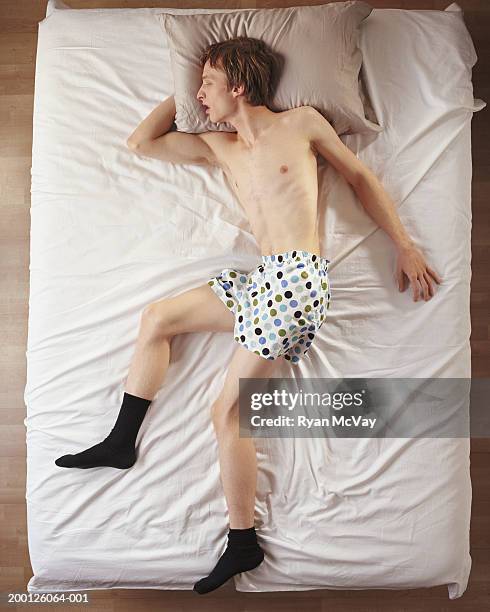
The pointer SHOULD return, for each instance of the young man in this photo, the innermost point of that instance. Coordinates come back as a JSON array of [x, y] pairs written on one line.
[[274, 310]]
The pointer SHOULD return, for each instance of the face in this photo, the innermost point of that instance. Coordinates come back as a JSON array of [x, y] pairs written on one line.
[[214, 94]]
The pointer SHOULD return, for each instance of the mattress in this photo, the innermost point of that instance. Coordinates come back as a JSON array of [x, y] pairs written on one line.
[[112, 232]]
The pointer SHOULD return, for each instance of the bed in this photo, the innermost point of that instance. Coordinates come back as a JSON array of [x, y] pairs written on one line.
[[112, 232]]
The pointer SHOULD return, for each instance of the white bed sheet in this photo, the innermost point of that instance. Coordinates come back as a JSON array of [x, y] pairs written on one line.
[[112, 232]]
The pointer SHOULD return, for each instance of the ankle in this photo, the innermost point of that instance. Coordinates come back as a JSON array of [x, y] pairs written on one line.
[[118, 444], [242, 537]]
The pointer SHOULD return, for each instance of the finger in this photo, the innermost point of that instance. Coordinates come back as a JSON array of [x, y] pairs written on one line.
[[434, 275], [429, 284], [400, 280], [415, 287], [425, 288]]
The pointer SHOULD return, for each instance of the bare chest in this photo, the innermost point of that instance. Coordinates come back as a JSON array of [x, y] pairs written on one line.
[[282, 167]]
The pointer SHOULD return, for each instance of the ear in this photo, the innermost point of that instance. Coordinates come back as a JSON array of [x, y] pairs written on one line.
[[239, 90]]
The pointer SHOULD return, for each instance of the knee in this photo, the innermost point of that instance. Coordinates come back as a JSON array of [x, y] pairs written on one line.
[[223, 415], [158, 319]]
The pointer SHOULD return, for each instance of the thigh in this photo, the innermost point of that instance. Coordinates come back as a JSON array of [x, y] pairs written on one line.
[[196, 310], [244, 364]]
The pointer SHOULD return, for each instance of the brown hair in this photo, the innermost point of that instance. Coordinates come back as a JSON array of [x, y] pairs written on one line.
[[249, 62]]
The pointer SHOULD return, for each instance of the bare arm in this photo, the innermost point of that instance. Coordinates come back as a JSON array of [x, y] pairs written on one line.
[[377, 203], [157, 123], [152, 138], [411, 262], [371, 193], [381, 208]]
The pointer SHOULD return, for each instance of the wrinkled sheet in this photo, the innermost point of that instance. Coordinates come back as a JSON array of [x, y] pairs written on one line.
[[112, 232]]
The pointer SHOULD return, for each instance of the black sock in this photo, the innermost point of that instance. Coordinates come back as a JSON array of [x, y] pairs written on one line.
[[117, 450], [242, 554]]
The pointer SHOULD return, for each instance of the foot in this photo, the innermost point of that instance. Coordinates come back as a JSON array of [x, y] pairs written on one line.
[[234, 560], [102, 454]]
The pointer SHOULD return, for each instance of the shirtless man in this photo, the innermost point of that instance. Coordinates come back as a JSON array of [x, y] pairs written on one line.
[[271, 164]]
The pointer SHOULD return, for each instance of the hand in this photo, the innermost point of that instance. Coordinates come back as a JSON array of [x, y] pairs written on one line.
[[411, 265]]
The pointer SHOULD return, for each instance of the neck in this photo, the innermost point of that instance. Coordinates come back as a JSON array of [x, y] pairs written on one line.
[[251, 122]]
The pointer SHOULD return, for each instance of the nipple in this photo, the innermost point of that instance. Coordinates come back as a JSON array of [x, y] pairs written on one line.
[[283, 169]]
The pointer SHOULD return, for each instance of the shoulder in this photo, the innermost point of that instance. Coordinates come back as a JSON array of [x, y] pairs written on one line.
[[305, 110], [307, 120], [315, 126], [307, 123], [307, 116]]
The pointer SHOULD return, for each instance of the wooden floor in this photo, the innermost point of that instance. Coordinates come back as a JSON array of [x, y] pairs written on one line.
[[18, 40]]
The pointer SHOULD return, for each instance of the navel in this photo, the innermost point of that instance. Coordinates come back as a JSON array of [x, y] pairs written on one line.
[[283, 169]]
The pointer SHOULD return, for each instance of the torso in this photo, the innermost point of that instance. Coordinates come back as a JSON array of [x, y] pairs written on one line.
[[276, 183]]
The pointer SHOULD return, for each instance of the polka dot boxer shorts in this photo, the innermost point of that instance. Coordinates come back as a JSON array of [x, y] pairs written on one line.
[[280, 305]]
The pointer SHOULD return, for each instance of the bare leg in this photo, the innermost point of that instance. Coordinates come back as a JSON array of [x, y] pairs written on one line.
[[237, 456], [149, 364], [195, 310], [199, 309], [238, 466]]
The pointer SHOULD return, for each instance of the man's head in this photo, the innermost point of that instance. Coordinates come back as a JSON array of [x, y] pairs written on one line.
[[239, 71]]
